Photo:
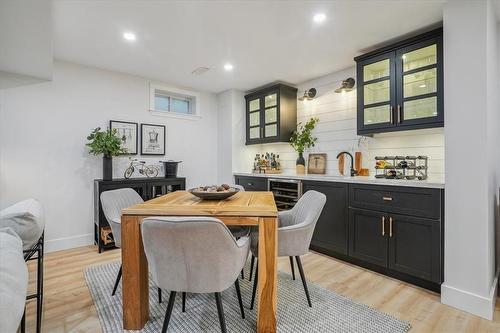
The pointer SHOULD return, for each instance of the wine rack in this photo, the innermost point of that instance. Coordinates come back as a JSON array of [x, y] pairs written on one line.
[[286, 192]]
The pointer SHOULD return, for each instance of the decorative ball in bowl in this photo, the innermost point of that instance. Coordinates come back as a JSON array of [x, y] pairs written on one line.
[[214, 192]]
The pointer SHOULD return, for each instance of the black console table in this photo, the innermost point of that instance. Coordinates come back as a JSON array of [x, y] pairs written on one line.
[[148, 188]]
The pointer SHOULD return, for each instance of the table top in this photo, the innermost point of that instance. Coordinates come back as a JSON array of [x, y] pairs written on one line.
[[183, 203]]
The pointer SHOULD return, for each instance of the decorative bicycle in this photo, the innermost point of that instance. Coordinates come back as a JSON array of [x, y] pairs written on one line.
[[148, 170]]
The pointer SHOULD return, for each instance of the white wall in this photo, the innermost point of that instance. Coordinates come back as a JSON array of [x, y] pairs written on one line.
[[43, 130], [470, 37], [336, 131], [26, 42]]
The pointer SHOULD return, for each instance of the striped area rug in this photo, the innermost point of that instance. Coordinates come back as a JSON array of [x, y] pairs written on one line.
[[331, 312]]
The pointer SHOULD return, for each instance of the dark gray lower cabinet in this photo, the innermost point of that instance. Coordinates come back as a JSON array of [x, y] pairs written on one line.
[[330, 234], [368, 236], [415, 247], [252, 183]]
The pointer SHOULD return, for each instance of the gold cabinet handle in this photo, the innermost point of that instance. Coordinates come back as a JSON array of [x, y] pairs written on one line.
[[383, 225], [390, 226], [399, 113], [262, 132], [387, 198]]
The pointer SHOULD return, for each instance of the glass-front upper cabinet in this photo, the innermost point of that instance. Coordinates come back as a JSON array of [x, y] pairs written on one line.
[[271, 114], [400, 87], [419, 74], [378, 90]]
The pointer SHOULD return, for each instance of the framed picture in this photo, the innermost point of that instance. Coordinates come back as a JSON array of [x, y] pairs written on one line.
[[152, 139], [127, 131], [316, 164]]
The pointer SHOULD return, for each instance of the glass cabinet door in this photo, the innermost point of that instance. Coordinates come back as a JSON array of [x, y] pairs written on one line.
[[378, 91], [271, 115], [418, 84], [254, 116]]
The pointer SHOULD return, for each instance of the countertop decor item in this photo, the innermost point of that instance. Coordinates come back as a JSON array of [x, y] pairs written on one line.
[[214, 192], [267, 163], [127, 132], [302, 139], [170, 168], [147, 170], [401, 167], [153, 139], [317, 164], [108, 144]]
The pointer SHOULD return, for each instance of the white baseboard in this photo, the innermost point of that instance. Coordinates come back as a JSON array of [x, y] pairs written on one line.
[[68, 242], [463, 300]]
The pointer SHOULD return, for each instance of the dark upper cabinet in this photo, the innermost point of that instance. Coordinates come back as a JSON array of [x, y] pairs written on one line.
[[400, 87], [271, 114], [368, 236], [414, 246], [330, 234]]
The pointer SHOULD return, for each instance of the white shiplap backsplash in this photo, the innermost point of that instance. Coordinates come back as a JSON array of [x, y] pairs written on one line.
[[336, 132]]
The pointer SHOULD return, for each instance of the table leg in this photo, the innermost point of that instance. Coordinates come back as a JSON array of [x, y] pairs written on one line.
[[268, 278], [135, 284]]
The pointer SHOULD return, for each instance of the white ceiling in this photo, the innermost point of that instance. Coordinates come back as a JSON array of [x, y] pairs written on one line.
[[266, 41]]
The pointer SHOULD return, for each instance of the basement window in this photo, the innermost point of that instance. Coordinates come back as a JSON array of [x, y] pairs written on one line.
[[172, 102]]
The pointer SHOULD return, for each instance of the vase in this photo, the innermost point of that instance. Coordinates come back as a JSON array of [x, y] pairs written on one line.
[[300, 165], [107, 167]]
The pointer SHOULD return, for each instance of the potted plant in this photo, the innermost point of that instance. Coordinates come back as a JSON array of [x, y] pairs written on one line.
[[108, 144], [302, 139]]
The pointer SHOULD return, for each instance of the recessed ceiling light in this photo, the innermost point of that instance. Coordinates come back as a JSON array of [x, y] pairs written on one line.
[[318, 18], [228, 67], [129, 36]]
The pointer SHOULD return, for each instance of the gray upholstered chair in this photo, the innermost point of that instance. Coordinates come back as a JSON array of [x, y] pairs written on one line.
[[193, 255], [112, 204], [295, 230]]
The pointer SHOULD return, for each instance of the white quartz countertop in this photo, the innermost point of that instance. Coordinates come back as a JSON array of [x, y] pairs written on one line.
[[428, 183]]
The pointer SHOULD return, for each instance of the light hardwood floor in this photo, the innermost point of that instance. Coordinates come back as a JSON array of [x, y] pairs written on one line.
[[68, 305]]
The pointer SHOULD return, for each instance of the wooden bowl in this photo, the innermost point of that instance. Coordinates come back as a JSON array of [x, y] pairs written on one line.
[[213, 195]]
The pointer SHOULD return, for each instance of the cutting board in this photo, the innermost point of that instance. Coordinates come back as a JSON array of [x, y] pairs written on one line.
[[341, 164]]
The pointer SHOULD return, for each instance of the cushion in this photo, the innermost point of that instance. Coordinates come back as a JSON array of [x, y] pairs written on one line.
[[26, 219], [13, 280]]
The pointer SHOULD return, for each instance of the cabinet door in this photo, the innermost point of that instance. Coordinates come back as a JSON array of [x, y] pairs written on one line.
[[331, 229], [368, 237], [376, 80], [419, 75], [414, 246], [254, 119], [270, 115]]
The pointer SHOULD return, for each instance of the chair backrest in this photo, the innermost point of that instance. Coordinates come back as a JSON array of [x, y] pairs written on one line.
[[112, 204], [192, 254], [26, 219], [305, 213], [239, 187]]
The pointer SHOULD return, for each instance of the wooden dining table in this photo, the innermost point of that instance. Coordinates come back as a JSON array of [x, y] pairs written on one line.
[[242, 209]]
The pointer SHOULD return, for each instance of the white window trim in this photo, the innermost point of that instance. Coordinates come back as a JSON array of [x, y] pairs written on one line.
[[195, 105]]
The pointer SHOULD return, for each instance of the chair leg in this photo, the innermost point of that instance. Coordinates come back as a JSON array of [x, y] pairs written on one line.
[[159, 295], [171, 301], [23, 322], [243, 274], [301, 271], [183, 302], [118, 277], [255, 280], [39, 288], [240, 301], [220, 310], [292, 267], [251, 268]]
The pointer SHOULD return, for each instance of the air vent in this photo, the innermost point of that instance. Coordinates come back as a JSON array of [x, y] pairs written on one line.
[[200, 70]]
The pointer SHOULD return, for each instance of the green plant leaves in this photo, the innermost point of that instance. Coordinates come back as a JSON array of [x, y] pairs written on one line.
[[105, 142], [302, 138]]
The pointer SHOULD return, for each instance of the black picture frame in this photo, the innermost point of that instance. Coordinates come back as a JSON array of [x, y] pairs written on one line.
[[160, 142], [136, 125]]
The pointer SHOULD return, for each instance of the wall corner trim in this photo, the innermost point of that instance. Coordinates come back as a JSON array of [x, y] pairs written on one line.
[[476, 304], [66, 243]]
